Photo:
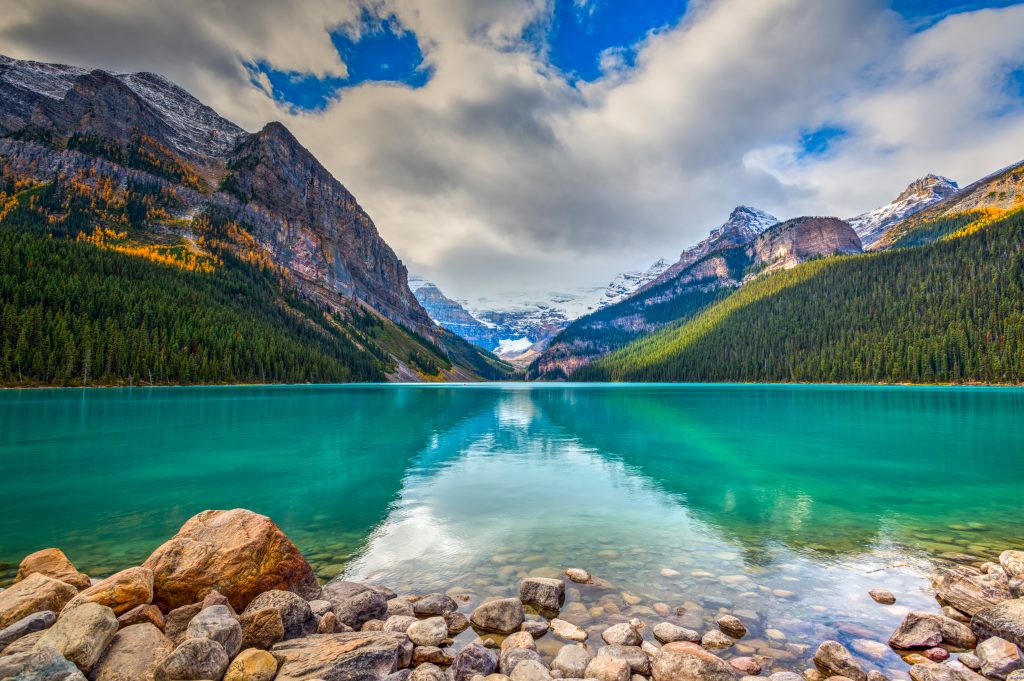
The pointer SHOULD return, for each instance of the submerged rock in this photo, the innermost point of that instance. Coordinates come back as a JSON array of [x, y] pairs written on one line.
[[731, 625], [883, 596], [579, 575]]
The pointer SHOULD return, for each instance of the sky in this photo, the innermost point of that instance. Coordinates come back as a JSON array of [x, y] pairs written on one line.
[[523, 145]]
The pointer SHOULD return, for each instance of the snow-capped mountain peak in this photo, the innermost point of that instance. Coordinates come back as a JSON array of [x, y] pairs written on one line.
[[625, 284], [918, 195], [745, 220]]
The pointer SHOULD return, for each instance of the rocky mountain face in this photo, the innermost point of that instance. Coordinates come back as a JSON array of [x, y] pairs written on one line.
[[751, 243], [625, 284], [281, 205], [452, 315], [917, 196]]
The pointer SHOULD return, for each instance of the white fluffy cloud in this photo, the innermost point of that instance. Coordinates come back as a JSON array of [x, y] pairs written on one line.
[[500, 174]]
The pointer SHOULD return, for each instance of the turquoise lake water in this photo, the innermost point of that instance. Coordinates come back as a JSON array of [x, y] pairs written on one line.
[[784, 504]]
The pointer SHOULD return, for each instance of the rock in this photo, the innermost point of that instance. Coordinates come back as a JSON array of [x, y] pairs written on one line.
[[82, 634], [604, 668], [328, 624], [1012, 562], [572, 660], [637, 659], [530, 670], [40, 663], [786, 676], [998, 657], [458, 623], [500, 615], [261, 628], [252, 664], [427, 672], [399, 623], [219, 624], [399, 606], [430, 654], [356, 610], [969, 592], [141, 614], [542, 593], [239, 553], [35, 593], [673, 664], [133, 654], [579, 575], [834, 659], [568, 631], [368, 625], [342, 657], [510, 657], [471, 660], [1005, 620], [1016, 676], [434, 604], [54, 564], [934, 671], [732, 626], [400, 675], [296, 615], [37, 621], [520, 639], [970, 660], [622, 634], [120, 592], [429, 632], [177, 621], [746, 665], [875, 675], [954, 614], [24, 644], [666, 632], [716, 640], [927, 630], [936, 654], [320, 607], [882, 596], [869, 648], [193, 660]]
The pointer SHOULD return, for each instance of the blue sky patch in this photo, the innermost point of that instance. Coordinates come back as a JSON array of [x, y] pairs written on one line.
[[816, 142], [922, 14], [384, 52]]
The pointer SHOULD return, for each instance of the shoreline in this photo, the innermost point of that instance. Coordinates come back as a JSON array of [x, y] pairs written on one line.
[[227, 577]]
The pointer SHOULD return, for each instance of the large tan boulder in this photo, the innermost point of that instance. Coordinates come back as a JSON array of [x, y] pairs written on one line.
[[239, 553], [690, 663], [35, 593], [52, 563], [342, 657], [133, 654], [82, 634], [120, 592]]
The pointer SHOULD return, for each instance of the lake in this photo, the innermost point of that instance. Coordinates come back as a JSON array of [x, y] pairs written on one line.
[[783, 504]]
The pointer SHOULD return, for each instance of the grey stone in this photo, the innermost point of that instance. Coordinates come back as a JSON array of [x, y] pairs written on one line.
[[530, 670], [637, 659], [296, 615], [320, 607], [623, 634], [1005, 620], [510, 657], [500, 615], [666, 632], [568, 631], [716, 640], [399, 606], [429, 632], [37, 621], [176, 621], [40, 663], [434, 604], [82, 634], [471, 660], [572, 660], [690, 665], [1013, 563], [427, 672], [604, 668], [399, 623], [535, 625], [355, 604], [542, 593], [970, 592], [218, 623], [456, 621], [194, 660]]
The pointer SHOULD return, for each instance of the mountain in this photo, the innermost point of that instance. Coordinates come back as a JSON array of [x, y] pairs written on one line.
[[700, 276], [451, 315], [949, 311], [625, 284], [990, 198], [164, 177], [916, 197]]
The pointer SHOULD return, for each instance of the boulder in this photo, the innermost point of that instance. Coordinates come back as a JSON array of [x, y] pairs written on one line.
[[141, 614], [1012, 562], [219, 624], [52, 563], [320, 607], [1005, 620], [427, 672], [472, 660], [510, 657], [531, 670], [968, 591], [672, 664], [834, 659], [716, 640], [347, 656], [400, 623], [520, 639], [998, 657], [542, 593], [261, 628], [195, 659], [23, 644], [434, 604], [579, 575], [358, 609], [568, 631], [431, 655], [429, 632], [328, 624], [666, 632], [926, 630], [82, 634], [252, 664], [732, 626], [604, 668], [572, 660], [458, 623], [500, 615], [177, 621], [882, 596], [637, 659], [296, 615], [934, 671], [399, 606], [40, 663], [133, 655], [239, 553], [623, 634], [120, 592], [35, 593], [37, 621]]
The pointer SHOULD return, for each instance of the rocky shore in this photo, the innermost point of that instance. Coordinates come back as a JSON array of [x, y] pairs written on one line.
[[231, 597]]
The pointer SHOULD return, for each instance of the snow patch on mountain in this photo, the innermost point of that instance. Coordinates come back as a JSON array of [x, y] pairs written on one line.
[[627, 283], [918, 195], [512, 347]]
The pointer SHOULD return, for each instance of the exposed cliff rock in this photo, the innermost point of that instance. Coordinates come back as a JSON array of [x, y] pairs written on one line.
[[795, 241], [916, 197]]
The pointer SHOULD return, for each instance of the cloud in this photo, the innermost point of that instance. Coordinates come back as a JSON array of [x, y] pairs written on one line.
[[500, 174]]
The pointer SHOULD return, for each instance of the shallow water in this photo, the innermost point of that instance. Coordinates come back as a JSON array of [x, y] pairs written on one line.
[[783, 504]]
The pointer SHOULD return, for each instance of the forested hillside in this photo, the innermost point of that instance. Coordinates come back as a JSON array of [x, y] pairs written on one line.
[[951, 311]]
